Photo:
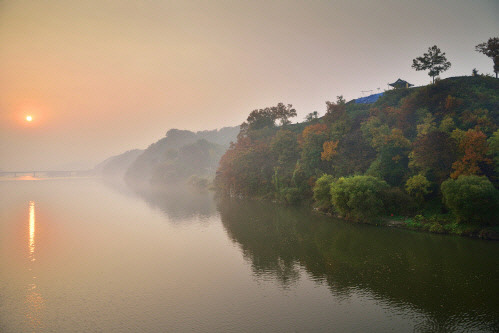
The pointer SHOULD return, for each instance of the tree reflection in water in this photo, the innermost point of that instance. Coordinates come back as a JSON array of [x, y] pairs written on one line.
[[452, 281], [179, 204]]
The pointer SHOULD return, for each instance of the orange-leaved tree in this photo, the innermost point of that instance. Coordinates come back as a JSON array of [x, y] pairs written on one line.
[[474, 149]]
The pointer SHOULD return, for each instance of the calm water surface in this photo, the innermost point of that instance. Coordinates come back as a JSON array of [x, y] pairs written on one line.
[[81, 256]]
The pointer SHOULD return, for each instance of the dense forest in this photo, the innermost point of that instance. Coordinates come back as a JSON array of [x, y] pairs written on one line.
[[427, 157]]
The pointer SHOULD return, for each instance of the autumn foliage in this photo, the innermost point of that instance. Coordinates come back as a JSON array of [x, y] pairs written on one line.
[[473, 149], [329, 150], [406, 144]]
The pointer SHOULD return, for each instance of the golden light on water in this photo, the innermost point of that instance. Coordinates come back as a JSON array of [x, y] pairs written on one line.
[[34, 299], [32, 230]]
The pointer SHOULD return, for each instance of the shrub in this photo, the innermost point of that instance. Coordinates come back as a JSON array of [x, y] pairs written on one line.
[[419, 218], [471, 199], [397, 202], [417, 187], [452, 228], [291, 195], [358, 197], [437, 228], [413, 224], [322, 191]]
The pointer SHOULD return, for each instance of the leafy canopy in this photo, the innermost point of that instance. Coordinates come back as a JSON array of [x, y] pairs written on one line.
[[267, 117], [417, 187], [474, 150], [359, 197], [491, 50], [434, 61], [472, 199], [493, 142], [322, 191]]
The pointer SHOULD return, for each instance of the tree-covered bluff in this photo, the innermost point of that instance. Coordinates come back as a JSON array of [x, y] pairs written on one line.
[[416, 152]]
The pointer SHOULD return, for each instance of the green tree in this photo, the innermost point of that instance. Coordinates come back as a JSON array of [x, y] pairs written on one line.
[[312, 142], [493, 142], [291, 195], [358, 197], [335, 111], [472, 199], [427, 125], [433, 155], [283, 113], [392, 151], [312, 116], [417, 187], [434, 61], [285, 151], [284, 146], [447, 124], [491, 49], [267, 117], [322, 191], [245, 169]]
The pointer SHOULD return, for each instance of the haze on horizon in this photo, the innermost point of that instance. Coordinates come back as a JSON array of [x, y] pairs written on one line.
[[103, 77]]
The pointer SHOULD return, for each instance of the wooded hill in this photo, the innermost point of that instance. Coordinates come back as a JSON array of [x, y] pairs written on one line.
[[173, 159], [390, 157]]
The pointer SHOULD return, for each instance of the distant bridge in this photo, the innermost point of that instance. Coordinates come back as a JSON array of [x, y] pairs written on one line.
[[49, 173]]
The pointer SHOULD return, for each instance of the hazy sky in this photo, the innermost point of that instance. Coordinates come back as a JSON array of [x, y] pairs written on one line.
[[101, 77]]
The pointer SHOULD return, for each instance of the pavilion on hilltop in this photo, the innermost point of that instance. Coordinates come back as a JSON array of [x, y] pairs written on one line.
[[400, 84]]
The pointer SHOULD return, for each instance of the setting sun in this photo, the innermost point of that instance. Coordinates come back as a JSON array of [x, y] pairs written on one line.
[[29, 118]]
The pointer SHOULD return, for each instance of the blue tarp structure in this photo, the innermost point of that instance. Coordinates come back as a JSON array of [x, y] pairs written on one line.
[[369, 99]]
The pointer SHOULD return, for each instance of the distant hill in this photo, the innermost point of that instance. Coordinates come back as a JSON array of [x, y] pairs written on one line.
[[223, 136], [180, 155], [116, 166]]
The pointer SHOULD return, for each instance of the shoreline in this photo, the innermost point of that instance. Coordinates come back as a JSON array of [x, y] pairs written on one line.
[[434, 227], [487, 233]]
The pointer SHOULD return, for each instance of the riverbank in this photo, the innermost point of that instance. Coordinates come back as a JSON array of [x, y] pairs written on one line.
[[444, 224], [437, 225]]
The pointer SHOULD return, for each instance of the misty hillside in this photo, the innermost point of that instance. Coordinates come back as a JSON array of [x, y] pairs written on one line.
[[223, 137], [199, 160], [116, 166], [181, 154]]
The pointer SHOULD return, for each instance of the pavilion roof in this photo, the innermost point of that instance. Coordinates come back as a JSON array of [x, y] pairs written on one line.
[[400, 84]]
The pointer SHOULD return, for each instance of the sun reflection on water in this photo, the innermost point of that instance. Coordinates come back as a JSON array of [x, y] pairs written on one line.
[[32, 230], [34, 299]]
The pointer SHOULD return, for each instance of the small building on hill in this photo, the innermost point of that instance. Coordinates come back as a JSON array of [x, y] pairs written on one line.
[[400, 84]]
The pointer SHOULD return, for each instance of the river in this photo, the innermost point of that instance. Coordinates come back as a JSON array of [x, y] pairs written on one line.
[[78, 255]]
